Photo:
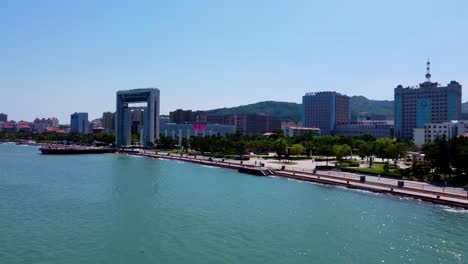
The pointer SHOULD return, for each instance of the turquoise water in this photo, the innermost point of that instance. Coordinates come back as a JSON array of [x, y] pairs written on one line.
[[121, 209]]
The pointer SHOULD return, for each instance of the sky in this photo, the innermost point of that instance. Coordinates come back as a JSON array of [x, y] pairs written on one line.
[[59, 57]]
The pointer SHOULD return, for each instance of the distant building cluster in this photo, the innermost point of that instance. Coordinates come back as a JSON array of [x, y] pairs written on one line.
[[39, 125], [330, 113], [418, 110], [45, 125], [422, 114], [247, 124]]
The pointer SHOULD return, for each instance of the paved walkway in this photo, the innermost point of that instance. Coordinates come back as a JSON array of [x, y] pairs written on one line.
[[420, 190], [309, 166]]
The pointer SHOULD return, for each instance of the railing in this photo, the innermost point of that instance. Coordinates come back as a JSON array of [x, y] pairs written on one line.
[[410, 185], [346, 176]]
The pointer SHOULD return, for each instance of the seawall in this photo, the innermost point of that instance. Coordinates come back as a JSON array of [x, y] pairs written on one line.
[[428, 196]]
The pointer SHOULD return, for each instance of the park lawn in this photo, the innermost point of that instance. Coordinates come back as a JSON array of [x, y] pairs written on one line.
[[375, 170]]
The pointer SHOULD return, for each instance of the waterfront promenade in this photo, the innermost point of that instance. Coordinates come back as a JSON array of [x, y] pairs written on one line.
[[456, 197]]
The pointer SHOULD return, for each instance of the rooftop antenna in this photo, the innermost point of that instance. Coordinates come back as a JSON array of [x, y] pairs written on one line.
[[428, 71]]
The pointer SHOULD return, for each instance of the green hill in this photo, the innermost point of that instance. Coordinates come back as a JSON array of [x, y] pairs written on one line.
[[283, 110], [378, 109]]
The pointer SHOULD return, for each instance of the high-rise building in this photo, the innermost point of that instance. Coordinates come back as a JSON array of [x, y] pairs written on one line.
[[150, 131], [427, 103], [3, 117], [108, 122], [324, 110], [79, 123]]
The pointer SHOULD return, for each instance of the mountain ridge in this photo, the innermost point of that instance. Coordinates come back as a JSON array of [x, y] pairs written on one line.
[[290, 111]]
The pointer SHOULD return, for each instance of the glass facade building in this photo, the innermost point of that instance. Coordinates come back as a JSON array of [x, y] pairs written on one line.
[[324, 110], [79, 123], [428, 103], [3, 117]]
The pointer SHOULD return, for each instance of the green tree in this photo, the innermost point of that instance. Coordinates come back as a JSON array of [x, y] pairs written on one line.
[[459, 150], [297, 149], [383, 148], [326, 151], [421, 169], [367, 150], [438, 154], [280, 146], [341, 151]]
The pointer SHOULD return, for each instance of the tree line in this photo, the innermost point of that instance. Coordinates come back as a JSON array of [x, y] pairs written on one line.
[[443, 159]]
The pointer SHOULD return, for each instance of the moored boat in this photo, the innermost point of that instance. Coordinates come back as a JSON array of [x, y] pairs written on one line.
[[62, 150]]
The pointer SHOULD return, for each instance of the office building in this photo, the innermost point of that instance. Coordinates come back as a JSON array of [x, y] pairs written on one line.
[[108, 122], [214, 119], [254, 124], [324, 110], [427, 103], [180, 116], [3, 117], [294, 131], [432, 131], [188, 130], [375, 128], [79, 123], [150, 119], [248, 124]]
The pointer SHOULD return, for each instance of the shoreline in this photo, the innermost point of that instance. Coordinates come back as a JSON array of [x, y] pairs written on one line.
[[440, 198]]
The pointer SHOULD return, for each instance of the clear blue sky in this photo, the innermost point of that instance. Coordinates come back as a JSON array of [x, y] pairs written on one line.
[[58, 57]]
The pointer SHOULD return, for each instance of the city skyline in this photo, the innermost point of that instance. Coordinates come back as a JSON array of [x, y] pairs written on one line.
[[238, 53]]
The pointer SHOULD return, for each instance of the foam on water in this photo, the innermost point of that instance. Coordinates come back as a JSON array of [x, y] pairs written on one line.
[[211, 167], [453, 210], [136, 156]]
